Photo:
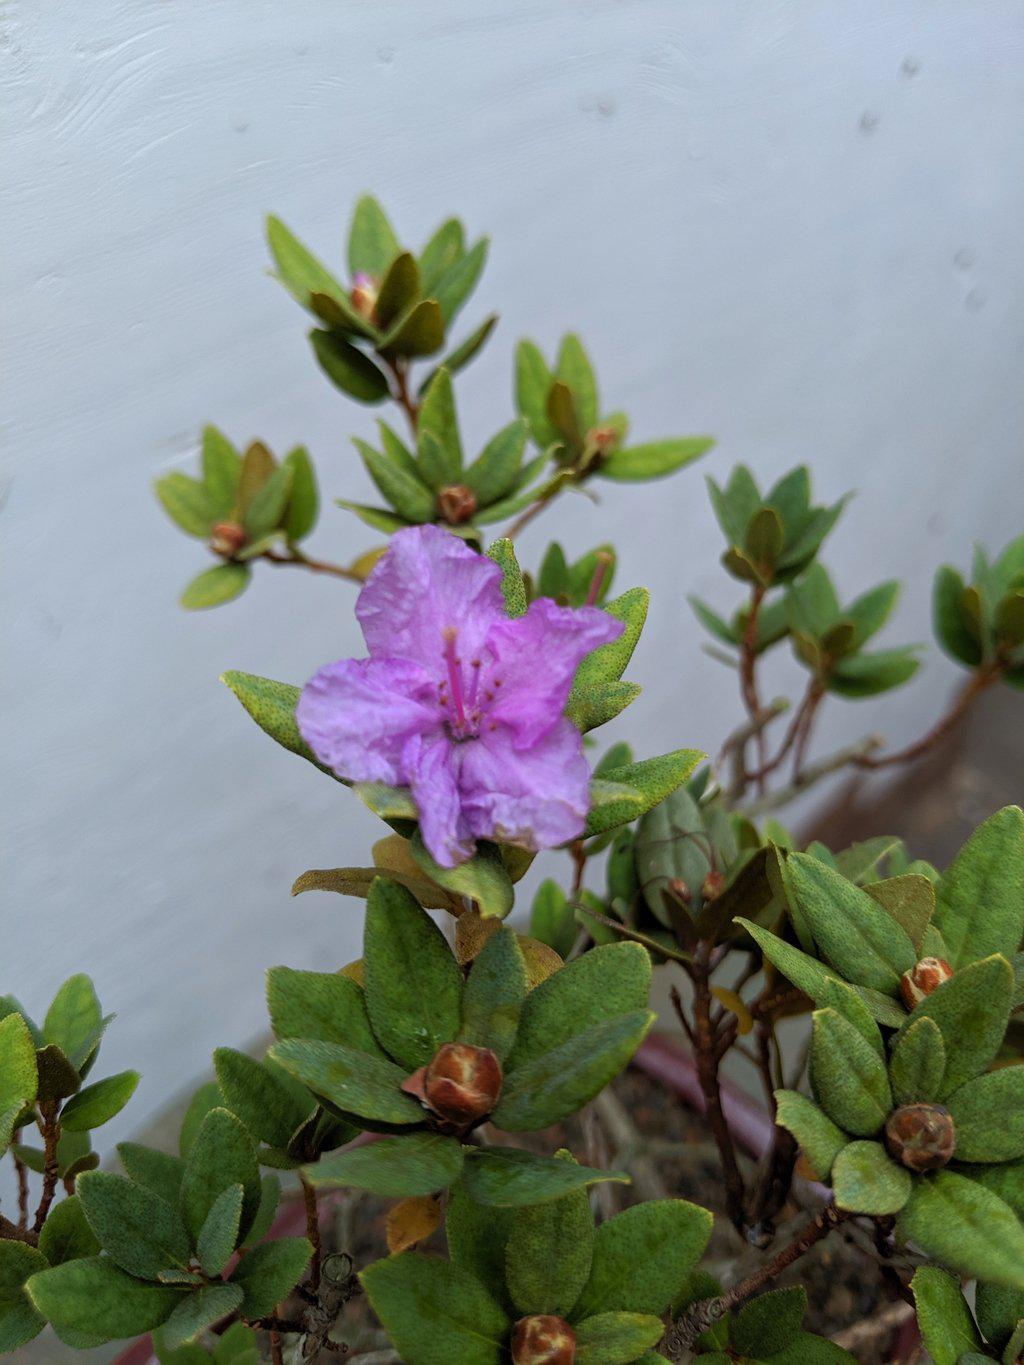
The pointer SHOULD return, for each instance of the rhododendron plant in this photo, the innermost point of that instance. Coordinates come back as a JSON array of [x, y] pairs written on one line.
[[450, 1069]]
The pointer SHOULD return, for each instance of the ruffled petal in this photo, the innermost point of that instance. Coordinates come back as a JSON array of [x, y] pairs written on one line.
[[535, 658], [432, 767], [429, 582], [358, 714], [537, 797]]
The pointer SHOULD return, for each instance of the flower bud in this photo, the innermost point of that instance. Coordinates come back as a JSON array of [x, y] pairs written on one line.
[[543, 1340], [227, 538], [679, 890], [364, 295], [712, 886], [921, 1136], [463, 1082], [456, 503], [603, 440], [923, 978]]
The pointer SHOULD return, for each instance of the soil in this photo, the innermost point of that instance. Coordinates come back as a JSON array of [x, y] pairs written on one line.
[[841, 1274]]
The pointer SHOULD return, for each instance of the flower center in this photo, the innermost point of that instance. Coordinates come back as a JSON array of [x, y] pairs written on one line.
[[459, 698]]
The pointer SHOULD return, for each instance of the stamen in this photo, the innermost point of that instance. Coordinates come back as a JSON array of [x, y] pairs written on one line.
[[474, 682], [454, 675]]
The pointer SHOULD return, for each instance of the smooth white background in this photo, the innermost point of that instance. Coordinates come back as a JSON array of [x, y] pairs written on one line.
[[794, 225]]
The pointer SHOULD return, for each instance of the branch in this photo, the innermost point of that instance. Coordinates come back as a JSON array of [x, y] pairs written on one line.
[[683, 1333], [11, 1232], [981, 679], [49, 1126], [748, 676], [402, 396], [523, 520], [842, 758], [312, 1232]]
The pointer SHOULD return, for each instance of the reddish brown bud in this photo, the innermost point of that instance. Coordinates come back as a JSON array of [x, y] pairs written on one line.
[[463, 1082], [922, 979], [543, 1340], [680, 891], [456, 503], [364, 295], [712, 886], [921, 1136], [603, 439], [227, 538]]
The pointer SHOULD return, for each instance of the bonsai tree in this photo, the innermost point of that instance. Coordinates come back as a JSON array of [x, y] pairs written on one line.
[[415, 1072]]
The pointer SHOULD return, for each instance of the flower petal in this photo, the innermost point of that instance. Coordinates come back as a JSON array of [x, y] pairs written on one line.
[[431, 764], [536, 657], [536, 797], [356, 716], [429, 582]]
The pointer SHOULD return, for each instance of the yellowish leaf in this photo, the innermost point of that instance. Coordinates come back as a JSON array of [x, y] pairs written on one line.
[[735, 1005], [411, 1220], [541, 961], [354, 971], [472, 931]]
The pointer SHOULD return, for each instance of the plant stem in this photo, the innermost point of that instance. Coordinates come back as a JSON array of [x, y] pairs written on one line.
[[50, 1129], [402, 396], [524, 518], [604, 563], [312, 1232], [683, 1333], [708, 1056], [314, 565], [814, 695], [748, 675], [842, 758], [11, 1232], [22, 1172], [981, 679]]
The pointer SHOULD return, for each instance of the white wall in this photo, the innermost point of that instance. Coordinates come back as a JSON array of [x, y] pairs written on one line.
[[794, 225]]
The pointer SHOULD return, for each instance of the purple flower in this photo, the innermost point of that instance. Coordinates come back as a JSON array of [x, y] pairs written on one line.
[[458, 701]]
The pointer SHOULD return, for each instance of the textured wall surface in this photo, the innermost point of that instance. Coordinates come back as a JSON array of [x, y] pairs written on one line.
[[794, 225]]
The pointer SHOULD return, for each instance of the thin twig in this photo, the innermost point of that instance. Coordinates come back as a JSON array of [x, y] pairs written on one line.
[[696, 1319], [842, 758], [748, 675], [303, 561], [524, 518], [629, 1145], [876, 1328], [403, 397], [11, 1232], [50, 1129], [22, 1172], [312, 1232]]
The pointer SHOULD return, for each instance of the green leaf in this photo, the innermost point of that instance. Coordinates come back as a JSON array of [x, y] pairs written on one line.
[[57, 1077], [94, 1296], [494, 993], [394, 1167], [482, 878], [604, 984], [441, 459], [207, 1097], [999, 1311], [616, 1338], [347, 368], [988, 1116], [763, 540], [321, 1005], [652, 779], [866, 1180], [355, 1082], [910, 900], [971, 1010], [735, 504], [768, 1324], [222, 467], [419, 331], [376, 517], [643, 1256], [818, 1137], [871, 610], [99, 1102], [848, 1077], [512, 586], [459, 280], [507, 1177], [492, 474], [199, 1311], [853, 932], [220, 1233], [964, 1226], [533, 380], [266, 509], [980, 899], [466, 351], [19, 1319], [608, 663], [272, 706], [399, 289], [66, 1234], [442, 251], [435, 1312], [413, 983], [949, 621], [574, 370], [868, 674], [548, 1253], [18, 1075], [552, 919], [267, 1108], [304, 499], [257, 466], [947, 1327], [300, 272], [137, 1229], [543, 1091], [269, 1272], [713, 623], [918, 1063], [187, 503], [654, 459], [372, 244], [477, 1235], [213, 587], [74, 1019], [156, 1171], [221, 1156]]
